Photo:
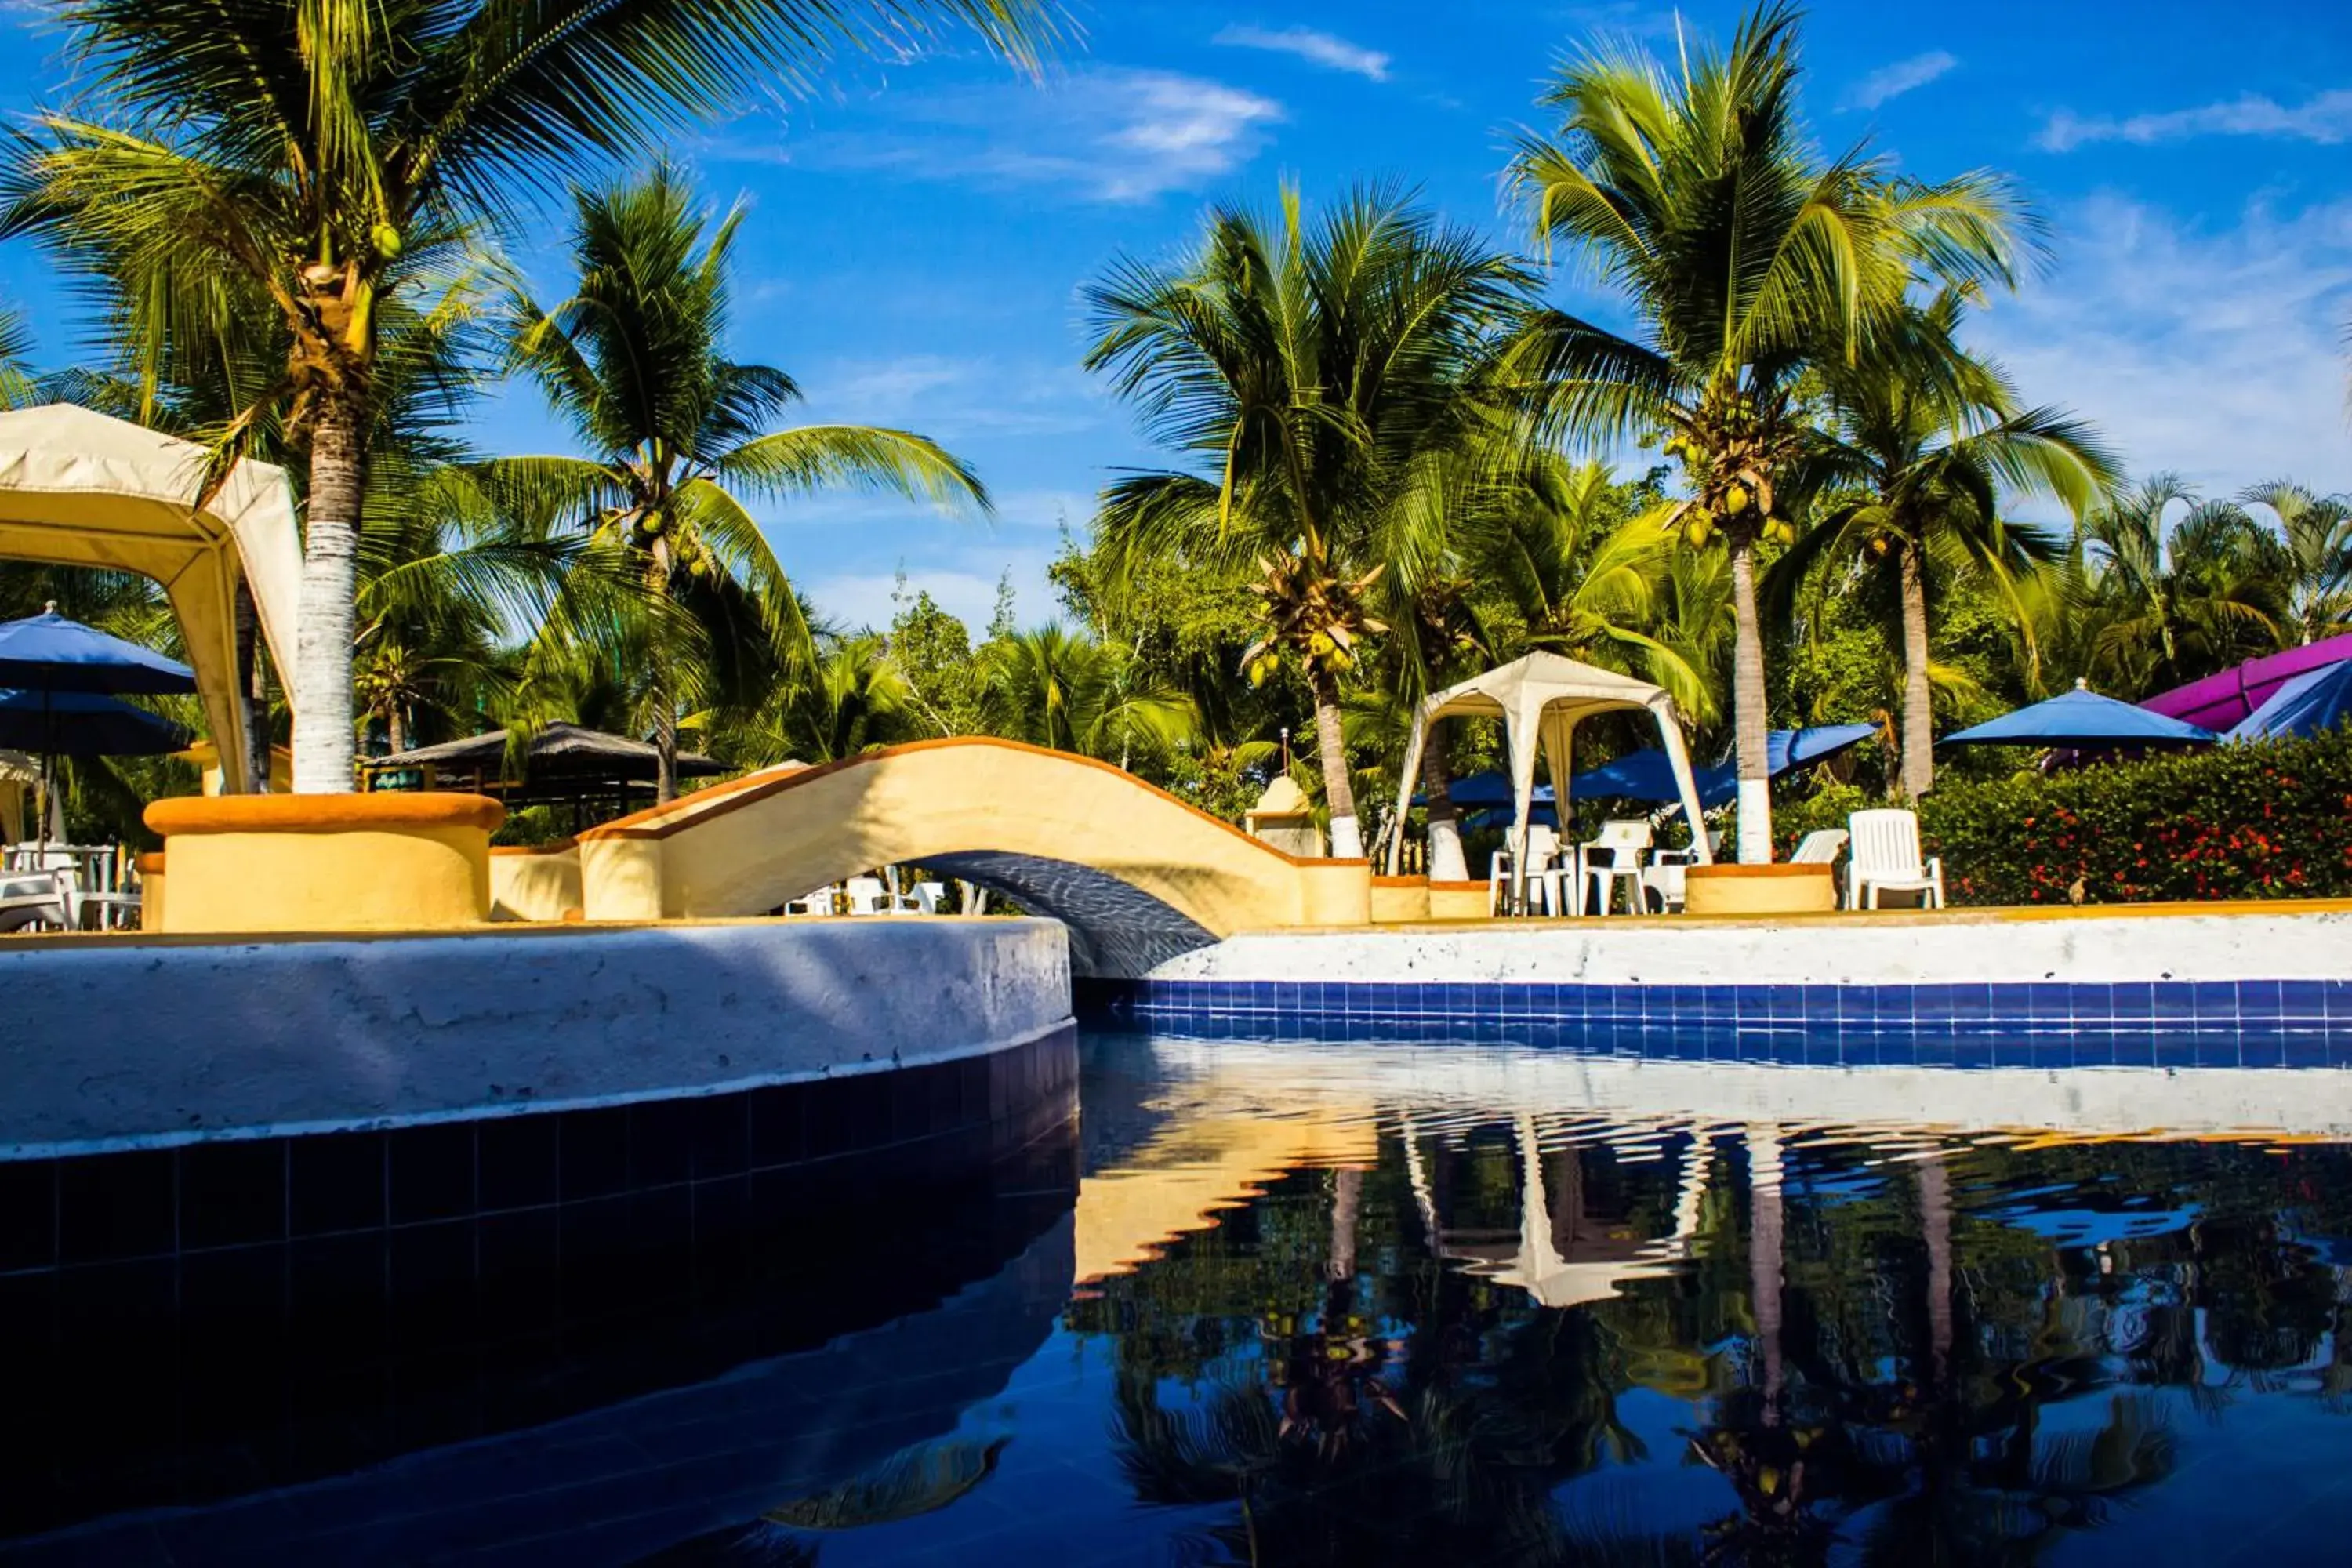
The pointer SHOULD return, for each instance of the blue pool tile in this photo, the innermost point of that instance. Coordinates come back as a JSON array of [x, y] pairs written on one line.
[[2337, 995], [2258, 1001], [2091, 1006], [2302, 999], [1787, 1002], [1935, 1047], [1972, 1050], [2131, 1003], [2216, 1050], [1820, 1006], [2013, 1050], [2010, 1004], [1823, 1050], [2052, 1049], [1898, 1048], [2094, 1049], [1719, 1003], [2049, 1006], [2217, 1002], [2133, 1047], [2262, 1045], [1968, 1001]]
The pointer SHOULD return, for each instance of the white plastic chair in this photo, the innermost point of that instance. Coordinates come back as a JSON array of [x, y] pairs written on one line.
[[820, 903], [867, 896], [1543, 851], [1885, 859], [38, 899], [1615, 858], [931, 897], [1820, 848]]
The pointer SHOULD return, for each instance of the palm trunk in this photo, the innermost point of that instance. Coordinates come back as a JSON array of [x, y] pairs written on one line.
[[249, 692], [1445, 859], [1935, 1222], [395, 733], [1347, 837], [324, 741], [1347, 1203], [1767, 1242], [664, 751], [1918, 715], [1750, 722]]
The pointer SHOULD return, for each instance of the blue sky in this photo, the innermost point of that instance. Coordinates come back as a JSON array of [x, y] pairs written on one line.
[[918, 231]]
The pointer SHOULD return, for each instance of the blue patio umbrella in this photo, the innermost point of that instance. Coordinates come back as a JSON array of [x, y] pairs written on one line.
[[83, 724], [1646, 775], [49, 653], [2082, 719], [1492, 787], [2312, 703]]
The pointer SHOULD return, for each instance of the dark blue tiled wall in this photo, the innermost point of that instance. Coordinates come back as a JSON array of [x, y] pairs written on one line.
[[183, 1325], [149, 1204], [2265, 1023]]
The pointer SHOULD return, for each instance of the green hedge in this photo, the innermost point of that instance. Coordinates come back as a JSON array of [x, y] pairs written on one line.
[[2267, 821]]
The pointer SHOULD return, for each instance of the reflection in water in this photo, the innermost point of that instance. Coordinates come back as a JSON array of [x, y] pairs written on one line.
[[1360, 1306], [1357, 1305]]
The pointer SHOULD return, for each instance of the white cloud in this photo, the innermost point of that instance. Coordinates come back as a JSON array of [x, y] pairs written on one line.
[[957, 399], [1108, 134], [2326, 119], [1324, 49], [1892, 81], [964, 585], [2217, 353]]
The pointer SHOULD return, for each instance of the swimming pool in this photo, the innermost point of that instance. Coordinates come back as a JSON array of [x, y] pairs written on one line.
[[1335, 1302]]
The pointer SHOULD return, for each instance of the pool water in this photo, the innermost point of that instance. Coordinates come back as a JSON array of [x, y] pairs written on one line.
[[1426, 1330], [1363, 1304]]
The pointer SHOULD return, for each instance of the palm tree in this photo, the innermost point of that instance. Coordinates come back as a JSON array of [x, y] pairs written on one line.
[[2179, 600], [1919, 440], [1052, 687], [316, 155], [1745, 257], [634, 362], [17, 386], [2318, 534], [1307, 368]]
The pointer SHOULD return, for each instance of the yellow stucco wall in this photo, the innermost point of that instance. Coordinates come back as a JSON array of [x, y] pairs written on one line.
[[326, 863], [746, 846], [538, 883]]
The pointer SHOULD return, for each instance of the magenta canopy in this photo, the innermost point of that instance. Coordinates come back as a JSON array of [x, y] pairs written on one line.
[[2222, 701]]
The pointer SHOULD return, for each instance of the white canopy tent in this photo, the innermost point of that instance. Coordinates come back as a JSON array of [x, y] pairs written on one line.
[[1540, 699], [81, 489]]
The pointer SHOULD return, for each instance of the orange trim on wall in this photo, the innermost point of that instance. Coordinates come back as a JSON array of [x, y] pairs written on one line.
[[322, 813], [1730, 872], [655, 821], [559, 847], [150, 863]]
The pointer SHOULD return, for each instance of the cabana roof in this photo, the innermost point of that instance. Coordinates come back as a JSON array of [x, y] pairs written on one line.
[[563, 763], [82, 489]]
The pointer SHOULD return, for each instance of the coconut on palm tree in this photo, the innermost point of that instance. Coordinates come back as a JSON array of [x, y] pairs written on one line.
[[1919, 442], [677, 435], [312, 155], [1304, 368], [1744, 256]]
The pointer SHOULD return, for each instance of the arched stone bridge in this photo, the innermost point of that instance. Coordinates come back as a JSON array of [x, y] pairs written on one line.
[[1135, 873]]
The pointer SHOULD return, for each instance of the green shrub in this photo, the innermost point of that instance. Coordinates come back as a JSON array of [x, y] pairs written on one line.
[[2266, 821]]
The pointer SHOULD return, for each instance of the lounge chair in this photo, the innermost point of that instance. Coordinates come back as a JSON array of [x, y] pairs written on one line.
[[38, 899], [931, 897], [1885, 859], [1820, 848], [820, 903]]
